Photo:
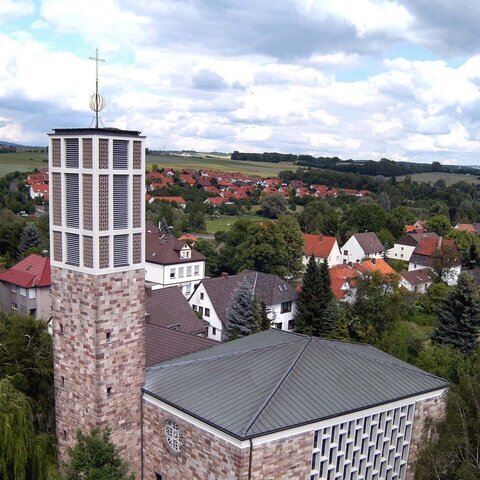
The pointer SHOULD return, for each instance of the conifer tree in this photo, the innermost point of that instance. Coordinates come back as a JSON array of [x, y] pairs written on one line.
[[458, 316], [240, 312], [328, 311], [30, 238], [260, 316], [95, 457], [307, 303]]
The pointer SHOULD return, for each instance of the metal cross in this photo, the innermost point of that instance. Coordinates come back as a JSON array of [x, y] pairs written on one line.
[[96, 59]]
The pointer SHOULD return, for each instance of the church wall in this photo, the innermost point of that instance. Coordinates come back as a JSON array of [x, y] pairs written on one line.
[[98, 378]]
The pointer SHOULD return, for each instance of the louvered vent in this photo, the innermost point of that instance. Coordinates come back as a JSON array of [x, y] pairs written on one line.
[[120, 202], [72, 199], [73, 249], [71, 152], [120, 250], [120, 154]]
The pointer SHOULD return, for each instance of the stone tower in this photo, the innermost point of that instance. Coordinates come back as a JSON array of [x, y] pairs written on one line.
[[97, 219]]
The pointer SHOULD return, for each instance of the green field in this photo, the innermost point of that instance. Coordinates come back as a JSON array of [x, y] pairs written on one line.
[[222, 164], [21, 162], [224, 223], [450, 178]]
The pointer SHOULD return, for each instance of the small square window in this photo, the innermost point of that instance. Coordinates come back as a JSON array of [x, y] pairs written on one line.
[[194, 308], [278, 325], [172, 273], [64, 434], [207, 312], [63, 381], [158, 477], [200, 309], [13, 288], [286, 307], [109, 391], [108, 336], [201, 296], [61, 328], [214, 331], [291, 324], [14, 306]]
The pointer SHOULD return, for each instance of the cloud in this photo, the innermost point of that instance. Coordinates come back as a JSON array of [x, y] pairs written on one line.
[[15, 8], [206, 79]]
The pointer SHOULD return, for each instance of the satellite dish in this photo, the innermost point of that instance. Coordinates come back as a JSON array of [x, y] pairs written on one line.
[[97, 102]]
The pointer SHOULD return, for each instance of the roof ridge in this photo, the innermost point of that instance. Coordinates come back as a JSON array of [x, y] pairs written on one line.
[[223, 355], [277, 386], [403, 365]]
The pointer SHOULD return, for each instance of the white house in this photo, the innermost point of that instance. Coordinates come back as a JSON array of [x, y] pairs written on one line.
[[416, 280], [322, 248], [172, 262], [38, 190], [437, 254], [360, 246], [403, 248], [212, 297]]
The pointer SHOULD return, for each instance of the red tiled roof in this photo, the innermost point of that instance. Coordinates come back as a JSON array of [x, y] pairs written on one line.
[[216, 200], [465, 227], [39, 188], [429, 245], [339, 274], [319, 246], [32, 271], [178, 200], [375, 265]]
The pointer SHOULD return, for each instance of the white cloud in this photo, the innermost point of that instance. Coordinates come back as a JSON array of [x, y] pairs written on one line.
[[15, 8]]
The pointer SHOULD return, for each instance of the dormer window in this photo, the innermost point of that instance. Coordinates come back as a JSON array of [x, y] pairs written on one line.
[[185, 252]]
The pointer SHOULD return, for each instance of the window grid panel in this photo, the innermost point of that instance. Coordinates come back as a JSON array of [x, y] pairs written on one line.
[[103, 153], [88, 252], [373, 447], [120, 250], [72, 200], [137, 248], [56, 153], [120, 202], [57, 198], [88, 202], [103, 202], [87, 153], [104, 252], [137, 154], [120, 154], [73, 249], [71, 152], [138, 203], [57, 246]]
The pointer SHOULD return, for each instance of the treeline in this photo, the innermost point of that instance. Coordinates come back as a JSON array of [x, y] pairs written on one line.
[[385, 167]]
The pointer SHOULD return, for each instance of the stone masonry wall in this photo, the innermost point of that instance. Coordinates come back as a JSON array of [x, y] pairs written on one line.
[[208, 457], [433, 408], [98, 377]]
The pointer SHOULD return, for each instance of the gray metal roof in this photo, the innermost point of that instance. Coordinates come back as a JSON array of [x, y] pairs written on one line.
[[276, 380]]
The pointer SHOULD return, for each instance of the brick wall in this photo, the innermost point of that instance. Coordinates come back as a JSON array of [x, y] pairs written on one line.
[[86, 307], [433, 408], [208, 457]]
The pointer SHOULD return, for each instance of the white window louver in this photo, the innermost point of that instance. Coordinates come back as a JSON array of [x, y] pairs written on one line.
[[73, 249], [72, 200], [120, 250], [71, 152], [120, 154], [120, 202]]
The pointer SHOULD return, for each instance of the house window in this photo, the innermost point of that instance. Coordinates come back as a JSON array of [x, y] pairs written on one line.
[[180, 272], [196, 270], [23, 292], [109, 391], [345, 252], [108, 337], [291, 324], [200, 309], [201, 296], [14, 306], [214, 331], [286, 307], [207, 312], [188, 288], [194, 308], [13, 288], [172, 273], [189, 271], [278, 325], [32, 293]]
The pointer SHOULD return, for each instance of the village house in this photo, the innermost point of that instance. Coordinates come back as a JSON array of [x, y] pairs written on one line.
[[403, 248], [171, 262], [38, 190], [360, 246], [416, 280], [322, 247], [180, 201], [25, 287], [438, 254], [212, 297]]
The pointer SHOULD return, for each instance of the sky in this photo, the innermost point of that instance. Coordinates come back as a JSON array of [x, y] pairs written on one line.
[[362, 79]]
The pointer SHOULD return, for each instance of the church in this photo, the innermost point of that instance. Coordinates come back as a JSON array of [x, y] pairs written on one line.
[[272, 406]]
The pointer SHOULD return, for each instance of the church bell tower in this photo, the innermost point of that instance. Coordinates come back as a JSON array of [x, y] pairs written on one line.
[[97, 219]]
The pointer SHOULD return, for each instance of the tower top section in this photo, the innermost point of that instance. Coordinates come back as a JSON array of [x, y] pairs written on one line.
[[111, 132]]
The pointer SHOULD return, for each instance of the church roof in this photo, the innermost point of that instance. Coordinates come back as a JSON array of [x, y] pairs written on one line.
[[275, 380]]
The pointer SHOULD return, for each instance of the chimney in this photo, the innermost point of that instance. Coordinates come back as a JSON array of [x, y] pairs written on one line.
[[224, 275]]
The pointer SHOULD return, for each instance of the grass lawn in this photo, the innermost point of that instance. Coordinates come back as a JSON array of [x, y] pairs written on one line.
[[22, 162], [450, 178], [223, 164], [224, 223]]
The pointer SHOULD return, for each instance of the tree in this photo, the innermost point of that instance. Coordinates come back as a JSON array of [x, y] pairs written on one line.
[[316, 307], [450, 446], [318, 217], [260, 316], [445, 259], [367, 217], [24, 454], [440, 224], [207, 248], [468, 244], [458, 317], [273, 206], [95, 457], [384, 201], [289, 229], [31, 238], [240, 312]]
